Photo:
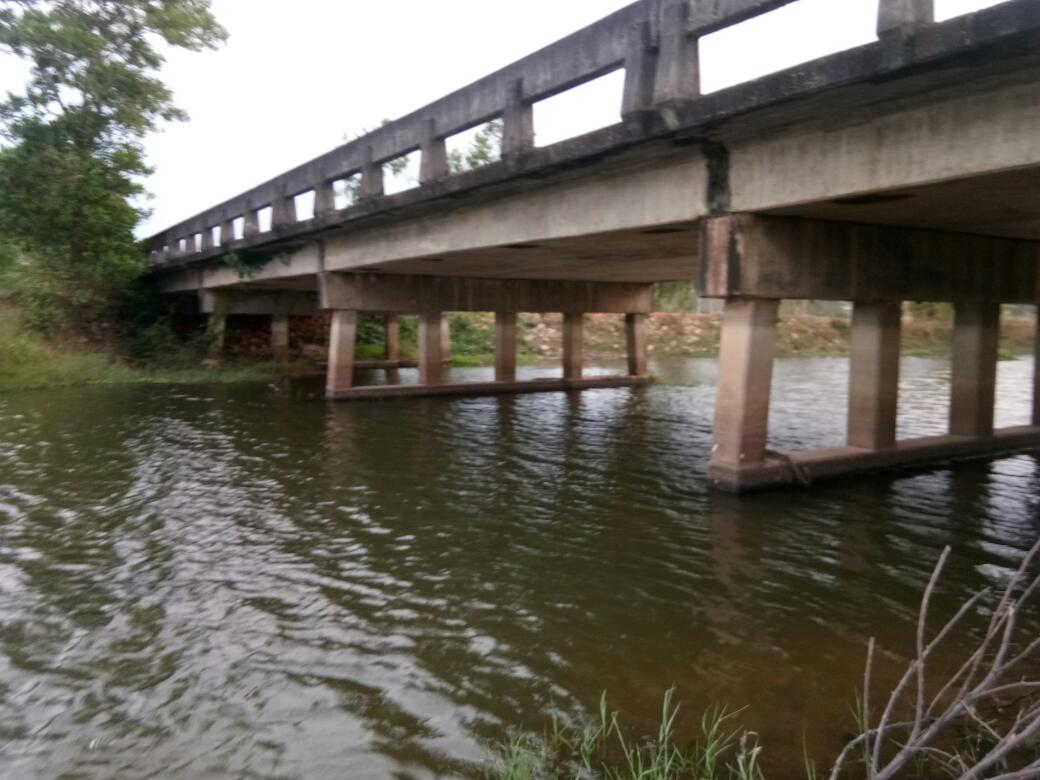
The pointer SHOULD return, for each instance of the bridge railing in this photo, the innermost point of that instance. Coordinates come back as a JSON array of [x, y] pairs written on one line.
[[655, 42]]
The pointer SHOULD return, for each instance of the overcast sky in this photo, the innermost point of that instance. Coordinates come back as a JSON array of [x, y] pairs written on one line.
[[297, 78]]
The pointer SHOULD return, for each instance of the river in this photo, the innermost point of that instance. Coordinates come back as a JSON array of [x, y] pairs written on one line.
[[246, 581]]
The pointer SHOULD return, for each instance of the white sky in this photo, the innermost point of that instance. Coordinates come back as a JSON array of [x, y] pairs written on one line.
[[298, 78]]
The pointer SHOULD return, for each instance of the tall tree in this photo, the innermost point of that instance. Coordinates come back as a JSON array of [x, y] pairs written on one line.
[[70, 174]]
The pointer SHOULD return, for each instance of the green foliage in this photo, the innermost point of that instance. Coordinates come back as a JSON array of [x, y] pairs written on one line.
[[675, 296], [602, 750], [70, 175], [485, 149]]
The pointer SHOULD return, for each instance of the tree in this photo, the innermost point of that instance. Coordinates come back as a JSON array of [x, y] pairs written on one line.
[[484, 149], [70, 175]]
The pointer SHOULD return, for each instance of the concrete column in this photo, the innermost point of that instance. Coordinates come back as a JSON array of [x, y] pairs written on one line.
[[894, 15], [392, 336], [445, 338], [505, 346], [745, 379], [976, 335], [573, 335], [342, 343], [1036, 371], [635, 340], [207, 239], [517, 122], [678, 60], [227, 232], [217, 329], [283, 211], [280, 337], [431, 356], [874, 374], [371, 177], [433, 164], [640, 70], [324, 199], [251, 224]]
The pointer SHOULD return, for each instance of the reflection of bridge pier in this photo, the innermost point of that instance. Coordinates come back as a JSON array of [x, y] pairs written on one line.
[[907, 169]]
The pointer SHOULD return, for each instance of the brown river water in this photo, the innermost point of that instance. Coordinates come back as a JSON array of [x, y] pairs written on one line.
[[246, 581]]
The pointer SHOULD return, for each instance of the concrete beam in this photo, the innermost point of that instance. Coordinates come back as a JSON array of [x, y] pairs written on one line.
[[414, 294], [258, 302], [752, 256]]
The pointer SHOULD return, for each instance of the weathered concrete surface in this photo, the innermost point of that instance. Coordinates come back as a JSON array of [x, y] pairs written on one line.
[[976, 333], [417, 294], [573, 338], [742, 398], [636, 344], [486, 388], [747, 255], [342, 343], [505, 346], [874, 375], [431, 348]]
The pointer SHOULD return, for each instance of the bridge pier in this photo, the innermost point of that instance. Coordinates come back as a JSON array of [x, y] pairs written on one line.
[[505, 346], [342, 344], [746, 352], [392, 337], [753, 262], [573, 345], [976, 335], [347, 294], [874, 374]]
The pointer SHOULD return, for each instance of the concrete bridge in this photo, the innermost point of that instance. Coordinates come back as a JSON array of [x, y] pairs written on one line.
[[903, 170]]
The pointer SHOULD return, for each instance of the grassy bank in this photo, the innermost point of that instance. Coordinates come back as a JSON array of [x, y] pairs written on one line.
[[29, 361]]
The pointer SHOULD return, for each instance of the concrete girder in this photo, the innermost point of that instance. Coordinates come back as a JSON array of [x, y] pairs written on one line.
[[752, 256]]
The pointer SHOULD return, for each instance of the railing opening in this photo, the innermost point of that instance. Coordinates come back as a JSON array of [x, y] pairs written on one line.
[[580, 110], [263, 219], [196, 241], [401, 173], [791, 35], [947, 9], [475, 148], [346, 191], [182, 245], [304, 205], [238, 227], [214, 234]]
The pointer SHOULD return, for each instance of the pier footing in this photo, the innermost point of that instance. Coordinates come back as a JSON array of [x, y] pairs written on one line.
[[372, 392]]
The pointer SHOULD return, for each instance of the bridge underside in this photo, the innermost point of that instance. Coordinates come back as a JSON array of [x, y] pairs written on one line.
[[924, 188]]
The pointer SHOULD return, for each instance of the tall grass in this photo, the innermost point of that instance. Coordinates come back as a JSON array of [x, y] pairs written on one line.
[[602, 750], [29, 361]]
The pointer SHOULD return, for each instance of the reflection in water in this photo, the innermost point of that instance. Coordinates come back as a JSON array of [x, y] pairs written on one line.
[[247, 581]]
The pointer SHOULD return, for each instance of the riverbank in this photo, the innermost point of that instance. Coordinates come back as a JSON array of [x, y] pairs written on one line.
[[28, 360]]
